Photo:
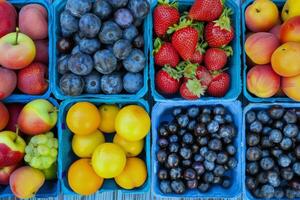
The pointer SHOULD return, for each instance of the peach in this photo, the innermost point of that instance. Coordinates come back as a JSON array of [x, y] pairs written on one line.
[[259, 47], [26, 181], [8, 16], [4, 116], [291, 87], [276, 30], [8, 82], [262, 81], [285, 60], [33, 21], [261, 15], [41, 51], [290, 31]]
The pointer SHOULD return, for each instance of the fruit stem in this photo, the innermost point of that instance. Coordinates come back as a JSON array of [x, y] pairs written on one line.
[[167, 2], [183, 23], [157, 45], [17, 36], [17, 132]]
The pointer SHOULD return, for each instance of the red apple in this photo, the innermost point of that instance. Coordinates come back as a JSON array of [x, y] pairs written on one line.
[[12, 148], [8, 82], [8, 16], [5, 173], [14, 110], [41, 51], [4, 116], [32, 79]]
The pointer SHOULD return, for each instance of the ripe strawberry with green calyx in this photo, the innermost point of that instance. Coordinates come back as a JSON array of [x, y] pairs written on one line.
[[206, 10], [219, 85], [165, 15], [199, 53], [216, 58], [167, 80], [185, 38], [165, 54], [219, 33], [192, 89]]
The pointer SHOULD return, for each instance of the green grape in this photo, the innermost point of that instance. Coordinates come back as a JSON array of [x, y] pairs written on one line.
[[29, 149], [49, 135], [50, 143], [47, 162], [53, 153], [27, 158], [55, 143], [43, 150], [42, 139], [35, 162]]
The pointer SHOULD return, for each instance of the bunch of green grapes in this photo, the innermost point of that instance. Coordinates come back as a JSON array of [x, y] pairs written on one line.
[[41, 152]]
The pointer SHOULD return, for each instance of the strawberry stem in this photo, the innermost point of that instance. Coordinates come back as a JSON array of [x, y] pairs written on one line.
[[199, 26], [228, 50], [167, 2], [172, 72], [157, 45], [183, 23], [188, 69], [201, 47], [195, 87], [224, 21]]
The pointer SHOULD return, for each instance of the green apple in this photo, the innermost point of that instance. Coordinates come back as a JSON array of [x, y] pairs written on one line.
[[37, 117]]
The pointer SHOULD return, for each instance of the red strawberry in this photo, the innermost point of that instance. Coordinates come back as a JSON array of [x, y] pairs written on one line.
[[164, 16], [167, 80], [219, 85], [199, 53], [192, 89], [185, 38], [206, 10], [204, 76], [220, 32], [165, 54], [216, 59]]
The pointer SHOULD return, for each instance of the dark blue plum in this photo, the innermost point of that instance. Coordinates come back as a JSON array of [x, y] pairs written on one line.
[[138, 42], [135, 62], [102, 9], [290, 130], [89, 46], [122, 48], [92, 83], [105, 61], [80, 64], [178, 186], [123, 17], [118, 3], [296, 168], [130, 33], [78, 7], [267, 163], [75, 50], [165, 187], [112, 83], [62, 64], [267, 191], [133, 82], [110, 32], [275, 136], [273, 179], [139, 8], [71, 84], [89, 25], [68, 23], [250, 117], [284, 161]]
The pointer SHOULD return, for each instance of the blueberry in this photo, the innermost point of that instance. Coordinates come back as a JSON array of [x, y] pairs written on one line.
[[175, 173], [62, 64], [198, 157], [138, 41], [89, 46], [178, 187], [163, 174], [253, 139], [252, 168], [181, 132], [77, 37], [200, 130], [208, 177], [263, 116], [177, 111], [68, 23], [163, 143], [173, 160], [123, 17], [227, 131], [257, 193], [213, 126], [273, 179], [265, 153], [253, 154], [275, 136], [192, 184], [220, 119], [266, 142], [219, 110], [292, 156], [173, 128], [297, 151], [186, 163], [290, 117], [278, 124], [228, 118], [193, 111], [287, 173], [219, 170], [163, 130], [75, 50], [296, 168], [130, 33], [122, 49], [231, 150], [182, 120], [102, 9], [198, 167], [139, 8], [251, 183], [189, 174], [276, 112], [133, 82], [92, 83], [286, 143], [208, 165], [165, 187], [262, 177], [161, 156], [80, 64], [105, 61], [89, 25], [204, 118], [174, 147], [291, 130], [118, 3], [203, 151], [78, 7], [110, 33], [211, 156], [215, 144], [266, 130], [256, 126], [284, 161], [204, 187], [71, 84], [173, 138], [232, 163], [135, 62], [227, 140], [202, 141], [250, 117], [112, 83], [267, 191], [226, 183], [266, 163], [222, 158], [185, 153], [191, 125], [279, 193]]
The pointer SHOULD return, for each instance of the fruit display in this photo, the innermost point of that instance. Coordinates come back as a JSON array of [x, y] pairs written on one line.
[[192, 49], [272, 152], [108, 142], [272, 48], [196, 150], [24, 49], [28, 146], [101, 47]]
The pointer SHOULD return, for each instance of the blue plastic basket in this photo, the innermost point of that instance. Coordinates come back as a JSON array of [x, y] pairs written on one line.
[[163, 112], [256, 106], [50, 188], [248, 95], [67, 156], [16, 96], [234, 63], [58, 7]]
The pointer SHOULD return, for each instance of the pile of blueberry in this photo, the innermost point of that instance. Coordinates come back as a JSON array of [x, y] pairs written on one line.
[[273, 153], [101, 46], [196, 149]]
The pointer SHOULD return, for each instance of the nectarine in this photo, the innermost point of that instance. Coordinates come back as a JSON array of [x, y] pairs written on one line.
[[276, 30], [290, 30], [291, 87]]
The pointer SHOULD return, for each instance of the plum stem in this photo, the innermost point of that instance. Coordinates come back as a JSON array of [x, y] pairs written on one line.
[[17, 35]]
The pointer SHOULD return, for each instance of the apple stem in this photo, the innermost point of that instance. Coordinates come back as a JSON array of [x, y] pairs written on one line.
[[17, 132], [17, 35]]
